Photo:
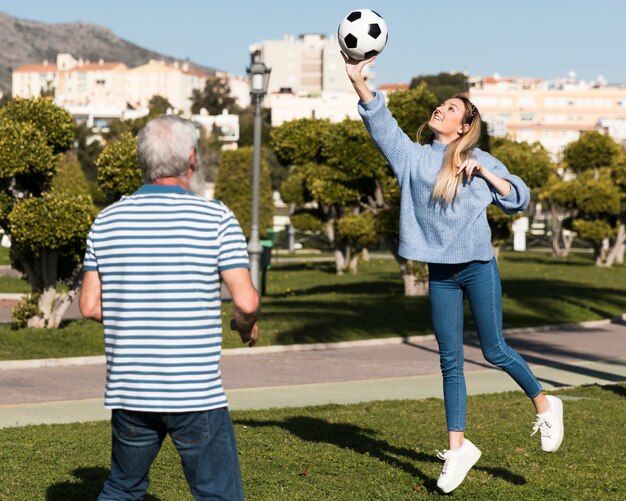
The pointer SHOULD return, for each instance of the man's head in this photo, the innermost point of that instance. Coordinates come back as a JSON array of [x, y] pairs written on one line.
[[167, 147]]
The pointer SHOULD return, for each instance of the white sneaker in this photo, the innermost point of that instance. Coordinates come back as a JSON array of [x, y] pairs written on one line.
[[550, 425], [457, 463]]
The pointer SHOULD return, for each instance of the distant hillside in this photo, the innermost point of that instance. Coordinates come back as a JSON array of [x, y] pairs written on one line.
[[27, 42]]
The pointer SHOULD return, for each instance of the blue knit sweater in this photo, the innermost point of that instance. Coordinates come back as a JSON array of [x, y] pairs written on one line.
[[430, 232]]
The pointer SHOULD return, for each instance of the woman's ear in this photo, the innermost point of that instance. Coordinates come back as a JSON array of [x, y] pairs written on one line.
[[464, 129]]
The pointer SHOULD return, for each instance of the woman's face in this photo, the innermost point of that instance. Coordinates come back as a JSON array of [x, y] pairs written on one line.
[[447, 120]]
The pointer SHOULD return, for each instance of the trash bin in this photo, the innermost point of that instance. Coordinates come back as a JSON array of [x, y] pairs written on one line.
[[266, 259]]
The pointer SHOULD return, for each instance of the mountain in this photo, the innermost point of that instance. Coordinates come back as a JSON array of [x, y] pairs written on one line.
[[30, 42]]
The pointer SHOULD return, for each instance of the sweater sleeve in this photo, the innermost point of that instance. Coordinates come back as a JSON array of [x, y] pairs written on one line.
[[518, 199], [386, 135]]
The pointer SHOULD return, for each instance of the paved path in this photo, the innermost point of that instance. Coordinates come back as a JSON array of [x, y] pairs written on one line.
[[594, 353]]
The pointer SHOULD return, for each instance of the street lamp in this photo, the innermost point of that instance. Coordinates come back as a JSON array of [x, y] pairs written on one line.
[[259, 76]]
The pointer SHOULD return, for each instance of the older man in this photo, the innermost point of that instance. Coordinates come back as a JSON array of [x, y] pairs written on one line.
[[152, 275]]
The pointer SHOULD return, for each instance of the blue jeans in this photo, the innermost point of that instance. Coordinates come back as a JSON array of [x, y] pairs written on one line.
[[205, 441], [480, 282]]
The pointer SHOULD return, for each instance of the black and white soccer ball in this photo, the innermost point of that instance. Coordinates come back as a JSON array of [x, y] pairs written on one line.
[[362, 34]]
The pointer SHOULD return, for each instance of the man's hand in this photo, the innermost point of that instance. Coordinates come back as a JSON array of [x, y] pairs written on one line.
[[249, 337]]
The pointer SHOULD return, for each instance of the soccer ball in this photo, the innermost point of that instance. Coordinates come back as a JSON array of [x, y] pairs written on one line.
[[362, 34]]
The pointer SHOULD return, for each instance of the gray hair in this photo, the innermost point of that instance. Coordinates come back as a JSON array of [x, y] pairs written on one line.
[[164, 146]]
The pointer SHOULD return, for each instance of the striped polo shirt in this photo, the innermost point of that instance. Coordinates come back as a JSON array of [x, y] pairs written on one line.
[[159, 253]]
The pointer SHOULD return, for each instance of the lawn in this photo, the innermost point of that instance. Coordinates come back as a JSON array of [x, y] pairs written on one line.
[[4, 256], [370, 451], [14, 285], [307, 302]]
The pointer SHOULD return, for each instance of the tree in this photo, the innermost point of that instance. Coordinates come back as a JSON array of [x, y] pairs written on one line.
[[411, 108], [46, 223], [246, 126], [596, 197], [70, 177], [119, 127], [209, 152], [591, 151], [443, 85], [234, 187], [215, 97], [532, 163], [158, 105], [88, 147], [119, 172], [332, 183]]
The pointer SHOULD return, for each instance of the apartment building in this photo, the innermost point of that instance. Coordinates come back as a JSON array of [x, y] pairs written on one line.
[[551, 112], [109, 87], [73, 80], [308, 78], [176, 82]]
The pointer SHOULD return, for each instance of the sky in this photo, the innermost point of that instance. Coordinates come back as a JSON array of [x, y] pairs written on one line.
[[534, 38]]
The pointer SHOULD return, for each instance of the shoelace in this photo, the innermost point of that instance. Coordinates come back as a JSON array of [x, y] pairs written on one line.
[[542, 425], [445, 457]]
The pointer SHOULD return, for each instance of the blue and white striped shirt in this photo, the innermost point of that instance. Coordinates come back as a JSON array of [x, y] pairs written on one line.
[[159, 253]]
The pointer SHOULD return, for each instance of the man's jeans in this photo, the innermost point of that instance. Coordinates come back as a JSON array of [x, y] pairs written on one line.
[[205, 441], [480, 282]]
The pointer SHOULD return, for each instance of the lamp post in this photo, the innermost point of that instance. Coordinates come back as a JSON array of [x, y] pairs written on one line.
[[259, 76]]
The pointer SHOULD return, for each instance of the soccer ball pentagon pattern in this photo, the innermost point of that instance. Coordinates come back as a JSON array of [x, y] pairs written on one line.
[[362, 34]]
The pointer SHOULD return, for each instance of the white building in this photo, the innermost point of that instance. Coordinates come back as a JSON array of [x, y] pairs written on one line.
[[334, 106], [109, 89], [239, 88], [308, 79], [175, 82], [225, 125], [551, 112]]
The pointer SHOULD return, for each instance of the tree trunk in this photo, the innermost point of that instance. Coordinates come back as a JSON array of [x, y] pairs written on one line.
[[556, 231], [365, 254], [599, 254], [53, 304], [340, 261], [414, 287], [496, 252], [354, 264], [568, 240], [617, 252]]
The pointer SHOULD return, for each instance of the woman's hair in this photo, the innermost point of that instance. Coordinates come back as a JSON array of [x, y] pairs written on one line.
[[448, 183], [164, 146]]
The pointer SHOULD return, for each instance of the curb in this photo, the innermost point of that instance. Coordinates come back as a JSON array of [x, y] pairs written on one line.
[[10, 296], [41, 363], [261, 350]]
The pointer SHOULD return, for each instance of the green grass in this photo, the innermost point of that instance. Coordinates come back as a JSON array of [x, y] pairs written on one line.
[[14, 285], [4, 256], [74, 339], [308, 302], [371, 451]]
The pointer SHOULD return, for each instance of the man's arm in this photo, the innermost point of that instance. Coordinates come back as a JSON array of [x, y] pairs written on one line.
[[246, 302], [91, 296]]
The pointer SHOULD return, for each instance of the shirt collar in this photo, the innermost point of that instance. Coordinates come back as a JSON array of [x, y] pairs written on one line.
[[155, 189], [439, 147]]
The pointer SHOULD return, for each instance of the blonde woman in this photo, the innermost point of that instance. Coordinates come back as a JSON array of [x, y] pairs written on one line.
[[446, 187]]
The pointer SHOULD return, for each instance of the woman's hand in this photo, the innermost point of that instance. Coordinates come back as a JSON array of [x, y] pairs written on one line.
[[471, 167], [354, 68]]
